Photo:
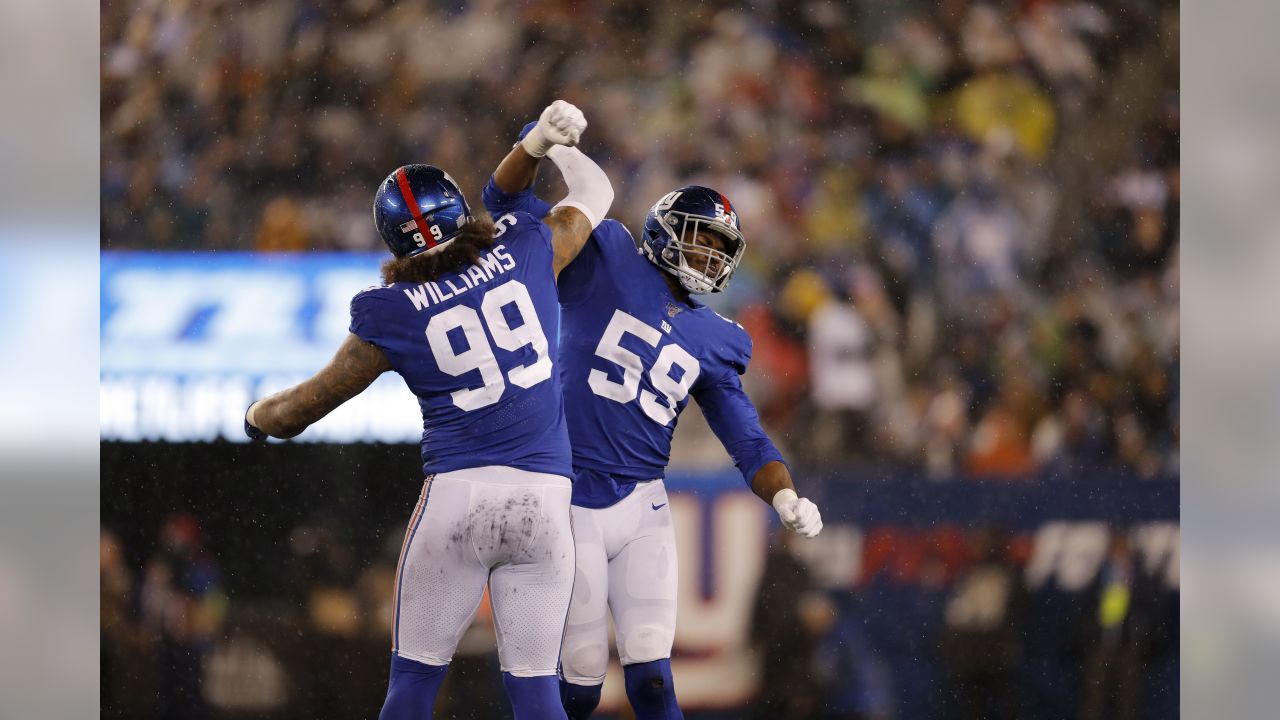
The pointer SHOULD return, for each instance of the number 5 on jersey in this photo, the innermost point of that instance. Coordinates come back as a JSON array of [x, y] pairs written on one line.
[[479, 354], [671, 356]]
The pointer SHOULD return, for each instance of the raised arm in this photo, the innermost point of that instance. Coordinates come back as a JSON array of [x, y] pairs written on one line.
[[517, 170], [570, 229], [590, 192], [287, 413]]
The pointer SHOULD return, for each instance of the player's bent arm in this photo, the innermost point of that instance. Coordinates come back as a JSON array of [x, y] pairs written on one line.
[[589, 197], [583, 207], [287, 413], [516, 171], [589, 188], [570, 229]]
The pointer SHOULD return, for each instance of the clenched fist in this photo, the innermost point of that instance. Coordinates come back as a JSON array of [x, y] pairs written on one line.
[[798, 514], [561, 123]]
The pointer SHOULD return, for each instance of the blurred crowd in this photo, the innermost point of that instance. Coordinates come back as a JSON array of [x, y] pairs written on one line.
[[954, 632], [965, 637], [174, 644], [158, 622], [962, 217]]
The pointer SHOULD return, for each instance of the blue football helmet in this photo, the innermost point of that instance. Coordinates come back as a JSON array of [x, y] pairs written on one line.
[[671, 233], [418, 209]]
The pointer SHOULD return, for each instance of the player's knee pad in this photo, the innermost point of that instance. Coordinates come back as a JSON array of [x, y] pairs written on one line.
[[585, 663], [651, 690], [645, 643], [579, 700], [411, 691]]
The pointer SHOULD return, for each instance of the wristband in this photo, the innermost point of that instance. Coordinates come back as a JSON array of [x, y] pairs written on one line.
[[782, 497], [536, 143], [253, 431]]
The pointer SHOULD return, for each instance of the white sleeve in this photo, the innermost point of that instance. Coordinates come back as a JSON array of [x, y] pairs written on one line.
[[589, 188]]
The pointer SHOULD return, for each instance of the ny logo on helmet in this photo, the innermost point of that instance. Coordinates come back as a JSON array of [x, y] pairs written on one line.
[[666, 201]]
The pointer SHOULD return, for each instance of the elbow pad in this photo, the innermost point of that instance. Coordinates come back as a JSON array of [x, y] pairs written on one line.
[[589, 188]]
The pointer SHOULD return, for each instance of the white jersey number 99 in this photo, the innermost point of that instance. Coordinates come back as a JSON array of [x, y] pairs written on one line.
[[479, 353]]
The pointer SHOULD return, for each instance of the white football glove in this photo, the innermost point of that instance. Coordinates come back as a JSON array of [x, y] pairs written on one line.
[[798, 514], [560, 124]]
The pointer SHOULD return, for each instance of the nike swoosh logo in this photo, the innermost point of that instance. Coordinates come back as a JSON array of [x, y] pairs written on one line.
[[657, 507]]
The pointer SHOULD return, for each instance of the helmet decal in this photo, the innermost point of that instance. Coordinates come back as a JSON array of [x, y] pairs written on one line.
[[725, 212], [666, 201], [402, 179]]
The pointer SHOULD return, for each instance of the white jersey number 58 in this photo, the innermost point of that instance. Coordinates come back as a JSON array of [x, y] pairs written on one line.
[[670, 357]]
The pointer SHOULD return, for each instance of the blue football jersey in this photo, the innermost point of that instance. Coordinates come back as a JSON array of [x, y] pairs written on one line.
[[478, 348], [632, 354]]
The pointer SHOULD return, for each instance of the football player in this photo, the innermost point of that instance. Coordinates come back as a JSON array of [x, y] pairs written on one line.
[[636, 344], [468, 317]]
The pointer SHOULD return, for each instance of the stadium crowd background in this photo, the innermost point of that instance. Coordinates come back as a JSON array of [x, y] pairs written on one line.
[[962, 217]]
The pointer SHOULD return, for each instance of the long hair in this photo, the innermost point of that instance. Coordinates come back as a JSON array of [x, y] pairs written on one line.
[[474, 237]]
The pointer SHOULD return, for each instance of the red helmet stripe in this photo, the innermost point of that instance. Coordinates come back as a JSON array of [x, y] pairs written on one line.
[[727, 207], [407, 193]]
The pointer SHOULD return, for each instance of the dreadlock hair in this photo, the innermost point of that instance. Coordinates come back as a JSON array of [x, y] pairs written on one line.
[[472, 239]]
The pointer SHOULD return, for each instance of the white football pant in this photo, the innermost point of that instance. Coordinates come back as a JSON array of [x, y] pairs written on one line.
[[498, 525], [627, 567]]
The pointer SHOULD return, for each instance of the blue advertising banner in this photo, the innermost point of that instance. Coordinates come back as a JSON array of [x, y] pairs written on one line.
[[188, 339]]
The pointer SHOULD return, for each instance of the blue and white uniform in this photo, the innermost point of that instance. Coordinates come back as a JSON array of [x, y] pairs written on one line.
[[632, 354], [478, 348]]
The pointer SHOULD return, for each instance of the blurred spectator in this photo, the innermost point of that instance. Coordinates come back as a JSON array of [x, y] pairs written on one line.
[[979, 242], [283, 227], [1074, 438], [121, 642], [790, 616], [323, 575], [1001, 444], [779, 375], [322, 571], [980, 646], [1122, 627], [182, 609], [902, 209], [946, 426], [842, 377], [856, 681]]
